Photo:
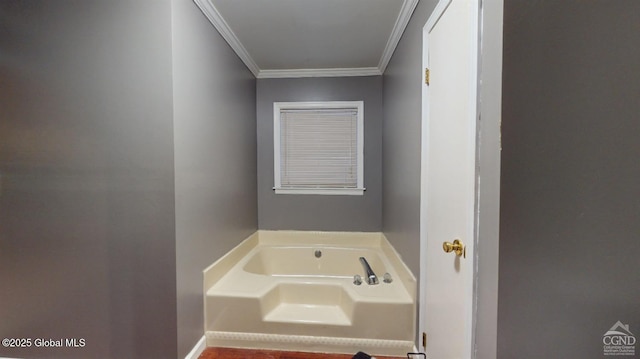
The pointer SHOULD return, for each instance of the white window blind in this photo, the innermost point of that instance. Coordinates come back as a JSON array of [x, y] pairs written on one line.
[[320, 147]]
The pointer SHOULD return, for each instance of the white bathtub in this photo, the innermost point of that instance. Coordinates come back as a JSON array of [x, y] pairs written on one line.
[[272, 292]]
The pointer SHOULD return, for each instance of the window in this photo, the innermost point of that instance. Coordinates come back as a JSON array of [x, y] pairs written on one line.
[[318, 147]]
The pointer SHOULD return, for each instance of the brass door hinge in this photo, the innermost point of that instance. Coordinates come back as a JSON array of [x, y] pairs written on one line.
[[426, 76]]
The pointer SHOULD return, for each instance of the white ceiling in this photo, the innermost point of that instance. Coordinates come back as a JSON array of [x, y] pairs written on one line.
[[304, 38]]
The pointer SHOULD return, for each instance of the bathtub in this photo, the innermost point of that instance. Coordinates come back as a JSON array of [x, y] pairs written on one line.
[[290, 290]]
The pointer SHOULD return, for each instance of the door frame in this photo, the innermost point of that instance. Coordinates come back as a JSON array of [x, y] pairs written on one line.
[[488, 80]]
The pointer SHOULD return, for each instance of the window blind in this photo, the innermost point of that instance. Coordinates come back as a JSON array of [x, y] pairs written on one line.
[[319, 148]]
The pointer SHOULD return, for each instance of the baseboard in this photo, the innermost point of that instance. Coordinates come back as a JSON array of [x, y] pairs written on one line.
[[201, 345], [303, 343]]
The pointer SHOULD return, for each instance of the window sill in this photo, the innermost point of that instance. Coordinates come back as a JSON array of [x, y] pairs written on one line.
[[322, 191]]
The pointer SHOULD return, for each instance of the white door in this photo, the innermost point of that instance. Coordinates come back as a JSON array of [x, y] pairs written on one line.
[[450, 43]]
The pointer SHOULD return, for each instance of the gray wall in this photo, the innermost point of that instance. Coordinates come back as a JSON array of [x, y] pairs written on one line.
[[87, 231], [401, 141], [317, 212], [402, 98], [215, 158], [570, 214]]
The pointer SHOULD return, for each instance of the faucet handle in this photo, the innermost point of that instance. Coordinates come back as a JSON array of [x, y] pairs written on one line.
[[387, 278]]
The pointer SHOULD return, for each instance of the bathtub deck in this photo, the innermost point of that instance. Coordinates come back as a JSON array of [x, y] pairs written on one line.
[[302, 313], [231, 353]]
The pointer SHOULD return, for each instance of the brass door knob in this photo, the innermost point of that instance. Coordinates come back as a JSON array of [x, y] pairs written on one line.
[[457, 247]]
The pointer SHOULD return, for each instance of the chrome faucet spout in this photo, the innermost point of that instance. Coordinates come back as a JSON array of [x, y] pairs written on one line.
[[372, 278]]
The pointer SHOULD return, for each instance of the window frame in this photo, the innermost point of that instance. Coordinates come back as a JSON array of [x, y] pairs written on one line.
[[319, 105]]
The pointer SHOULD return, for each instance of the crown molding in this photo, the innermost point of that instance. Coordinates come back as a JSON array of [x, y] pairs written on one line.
[[408, 6], [336, 72], [216, 19], [223, 28]]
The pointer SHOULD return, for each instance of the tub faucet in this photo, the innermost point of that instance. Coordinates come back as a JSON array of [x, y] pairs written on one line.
[[371, 276]]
